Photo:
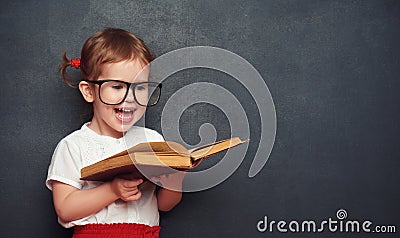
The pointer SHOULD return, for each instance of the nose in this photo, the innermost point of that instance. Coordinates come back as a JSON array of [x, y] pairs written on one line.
[[130, 97]]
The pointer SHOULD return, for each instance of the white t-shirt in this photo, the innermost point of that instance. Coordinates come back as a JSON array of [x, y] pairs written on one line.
[[84, 147]]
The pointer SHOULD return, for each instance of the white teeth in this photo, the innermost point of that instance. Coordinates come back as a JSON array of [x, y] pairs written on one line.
[[124, 110]]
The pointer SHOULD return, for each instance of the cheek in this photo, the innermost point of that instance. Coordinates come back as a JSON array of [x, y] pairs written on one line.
[[140, 112], [101, 108]]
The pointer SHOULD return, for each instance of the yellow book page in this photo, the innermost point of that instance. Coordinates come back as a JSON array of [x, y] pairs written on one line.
[[208, 150], [162, 159], [162, 146]]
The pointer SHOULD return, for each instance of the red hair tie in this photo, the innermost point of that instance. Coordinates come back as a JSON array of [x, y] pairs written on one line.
[[75, 63]]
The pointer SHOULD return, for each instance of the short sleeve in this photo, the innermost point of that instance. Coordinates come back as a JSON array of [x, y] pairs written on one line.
[[154, 135], [65, 165]]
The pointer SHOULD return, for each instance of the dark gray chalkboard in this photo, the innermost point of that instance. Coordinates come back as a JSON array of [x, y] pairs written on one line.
[[332, 68]]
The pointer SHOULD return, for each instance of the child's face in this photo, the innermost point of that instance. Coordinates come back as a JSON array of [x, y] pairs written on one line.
[[113, 120]]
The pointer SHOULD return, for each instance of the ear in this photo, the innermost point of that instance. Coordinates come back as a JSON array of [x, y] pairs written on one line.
[[86, 91]]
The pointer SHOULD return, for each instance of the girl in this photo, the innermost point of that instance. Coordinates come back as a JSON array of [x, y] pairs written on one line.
[[115, 82]]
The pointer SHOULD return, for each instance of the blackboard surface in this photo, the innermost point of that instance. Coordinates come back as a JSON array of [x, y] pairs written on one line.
[[332, 68]]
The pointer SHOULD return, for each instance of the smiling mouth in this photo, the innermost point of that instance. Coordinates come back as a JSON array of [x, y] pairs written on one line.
[[123, 114]]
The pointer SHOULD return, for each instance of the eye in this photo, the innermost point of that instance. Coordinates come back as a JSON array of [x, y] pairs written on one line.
[[117, 86], [141, 87]]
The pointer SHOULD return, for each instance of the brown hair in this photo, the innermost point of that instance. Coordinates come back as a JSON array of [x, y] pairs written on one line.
[[110, 45]]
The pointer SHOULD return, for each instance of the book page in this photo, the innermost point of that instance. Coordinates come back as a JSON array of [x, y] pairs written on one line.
[[162, 159], [208, 150], [163, 146]]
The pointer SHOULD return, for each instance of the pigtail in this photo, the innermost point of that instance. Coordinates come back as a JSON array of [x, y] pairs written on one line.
[[63, 68]]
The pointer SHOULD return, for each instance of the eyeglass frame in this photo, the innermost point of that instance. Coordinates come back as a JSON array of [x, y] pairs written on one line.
[[100, 82]]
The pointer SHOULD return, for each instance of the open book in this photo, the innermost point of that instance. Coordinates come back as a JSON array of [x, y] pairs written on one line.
[[154, 159]]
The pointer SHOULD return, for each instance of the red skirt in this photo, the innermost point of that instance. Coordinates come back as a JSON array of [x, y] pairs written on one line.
[[120, 230]]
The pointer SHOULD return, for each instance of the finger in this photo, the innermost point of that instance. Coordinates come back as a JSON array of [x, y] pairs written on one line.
[[134, 197], [131, 193], [132, 183]]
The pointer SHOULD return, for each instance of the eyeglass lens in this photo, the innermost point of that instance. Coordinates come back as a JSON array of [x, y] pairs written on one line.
[[145, 94]]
